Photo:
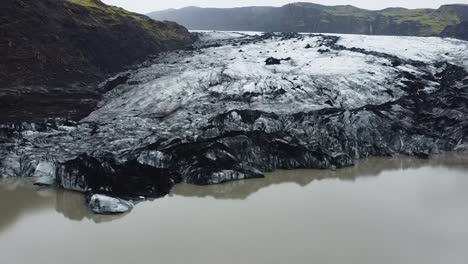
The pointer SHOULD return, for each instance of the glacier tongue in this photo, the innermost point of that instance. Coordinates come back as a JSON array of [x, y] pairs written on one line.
[[219, 113]]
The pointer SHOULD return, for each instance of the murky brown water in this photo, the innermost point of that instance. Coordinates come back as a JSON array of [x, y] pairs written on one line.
[[383, 211]]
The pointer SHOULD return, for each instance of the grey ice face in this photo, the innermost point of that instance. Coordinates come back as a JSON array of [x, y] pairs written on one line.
[[145, 6]]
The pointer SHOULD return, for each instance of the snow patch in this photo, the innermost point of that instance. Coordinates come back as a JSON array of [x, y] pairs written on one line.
[[427, 49]]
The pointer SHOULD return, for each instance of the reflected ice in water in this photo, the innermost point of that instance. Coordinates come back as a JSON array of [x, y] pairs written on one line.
[[372, 167], [19, 197]]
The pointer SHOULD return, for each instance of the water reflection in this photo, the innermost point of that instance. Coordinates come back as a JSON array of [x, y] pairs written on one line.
[[72, 206], [19, 197], [371, 167]]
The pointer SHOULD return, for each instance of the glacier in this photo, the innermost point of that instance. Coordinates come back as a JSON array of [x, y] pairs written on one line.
[[218, 112], [102, 204]]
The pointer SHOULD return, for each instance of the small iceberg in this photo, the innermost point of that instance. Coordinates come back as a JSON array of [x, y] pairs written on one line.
[[103, 204]]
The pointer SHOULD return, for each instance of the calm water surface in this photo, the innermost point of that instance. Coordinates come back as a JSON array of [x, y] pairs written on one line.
[[385, 211]]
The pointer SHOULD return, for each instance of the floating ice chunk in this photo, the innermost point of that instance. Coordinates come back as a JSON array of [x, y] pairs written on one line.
[[103, 204], [45, 173]]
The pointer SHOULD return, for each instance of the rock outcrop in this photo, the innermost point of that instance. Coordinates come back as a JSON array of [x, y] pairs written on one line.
[[54, 52]]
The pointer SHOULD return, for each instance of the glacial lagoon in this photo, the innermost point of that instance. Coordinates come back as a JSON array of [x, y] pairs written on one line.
[[383, 210]]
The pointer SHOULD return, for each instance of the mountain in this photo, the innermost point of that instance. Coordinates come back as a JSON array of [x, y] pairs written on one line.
[[459, 31], [64, 46], [309, 17]]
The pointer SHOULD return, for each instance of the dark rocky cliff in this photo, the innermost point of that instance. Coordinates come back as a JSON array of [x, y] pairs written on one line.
[[308, 17], [459, 31], [70, 45]]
